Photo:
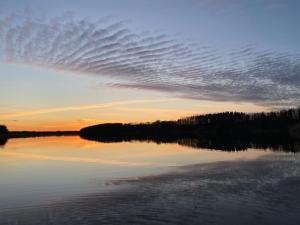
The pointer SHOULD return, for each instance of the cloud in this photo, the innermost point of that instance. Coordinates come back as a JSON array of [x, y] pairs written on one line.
[[151, 61], [83, 107]]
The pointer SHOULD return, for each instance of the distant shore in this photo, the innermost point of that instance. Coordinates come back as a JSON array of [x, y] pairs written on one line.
[[25, 134], [4, 137]]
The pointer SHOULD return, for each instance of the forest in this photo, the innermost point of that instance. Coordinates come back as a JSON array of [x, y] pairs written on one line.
[[225, 131]]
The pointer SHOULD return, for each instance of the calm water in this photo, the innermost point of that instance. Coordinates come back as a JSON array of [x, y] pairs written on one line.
[[67, 180]]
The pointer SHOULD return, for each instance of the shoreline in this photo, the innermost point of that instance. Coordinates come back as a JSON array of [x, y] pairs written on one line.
[[31, 134], [24, 134]]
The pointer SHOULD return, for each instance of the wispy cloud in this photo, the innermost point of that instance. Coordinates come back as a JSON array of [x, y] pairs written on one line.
[[83, 107], [147, 61]]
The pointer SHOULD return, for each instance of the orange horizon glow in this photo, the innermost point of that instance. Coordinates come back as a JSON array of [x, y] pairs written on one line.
[[65, 124], [35, 106]]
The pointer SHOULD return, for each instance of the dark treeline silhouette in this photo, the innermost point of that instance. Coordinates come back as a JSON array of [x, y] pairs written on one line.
[[28, 134], [5, 134], [284, 124], [230, 131], [3, 130]]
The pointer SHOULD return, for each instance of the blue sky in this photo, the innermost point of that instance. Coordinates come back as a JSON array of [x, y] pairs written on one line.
[[211, 55], [266, 23]]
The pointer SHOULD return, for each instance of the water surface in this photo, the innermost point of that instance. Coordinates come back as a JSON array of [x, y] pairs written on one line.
[[52, 179]]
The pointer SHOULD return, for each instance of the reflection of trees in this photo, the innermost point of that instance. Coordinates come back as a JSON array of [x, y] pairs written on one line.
[[241, 145], [216, 144]]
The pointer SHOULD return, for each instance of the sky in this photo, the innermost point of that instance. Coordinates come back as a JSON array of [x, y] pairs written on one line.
[[72, 63]]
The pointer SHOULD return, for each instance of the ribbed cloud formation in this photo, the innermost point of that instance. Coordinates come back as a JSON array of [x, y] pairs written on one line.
[[151, 61]]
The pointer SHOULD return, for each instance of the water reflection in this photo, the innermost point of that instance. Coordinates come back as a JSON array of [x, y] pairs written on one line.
[[39, 170], [242, 145], [69, 180], [208, 142], [261, 191], [223, 143]]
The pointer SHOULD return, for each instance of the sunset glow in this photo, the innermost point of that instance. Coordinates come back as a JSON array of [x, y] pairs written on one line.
[[63, 71]]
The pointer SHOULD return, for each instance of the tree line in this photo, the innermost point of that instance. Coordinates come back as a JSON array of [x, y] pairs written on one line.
[[227, 130]]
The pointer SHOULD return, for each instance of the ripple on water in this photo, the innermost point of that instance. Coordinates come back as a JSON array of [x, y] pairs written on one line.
[[263, 191]]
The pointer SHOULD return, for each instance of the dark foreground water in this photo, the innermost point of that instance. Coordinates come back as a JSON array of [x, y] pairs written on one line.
[[246, 190], [264, 191]]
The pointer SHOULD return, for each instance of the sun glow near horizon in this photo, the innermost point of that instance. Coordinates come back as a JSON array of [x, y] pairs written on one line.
[[76, 103], [64, 71]]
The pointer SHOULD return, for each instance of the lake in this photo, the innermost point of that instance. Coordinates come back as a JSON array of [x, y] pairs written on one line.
[[68, 180]]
